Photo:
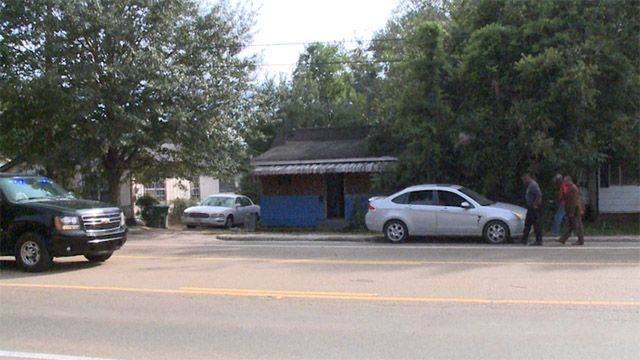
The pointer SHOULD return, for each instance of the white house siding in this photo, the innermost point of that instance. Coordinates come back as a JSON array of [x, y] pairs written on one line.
[[619, 199], [208, 186], [177, 188]]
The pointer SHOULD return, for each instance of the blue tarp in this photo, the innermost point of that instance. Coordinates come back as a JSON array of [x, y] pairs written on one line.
[[304, 211], [292, 211]]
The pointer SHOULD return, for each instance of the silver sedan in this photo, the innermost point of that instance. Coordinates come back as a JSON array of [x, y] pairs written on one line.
[[443, 210], [225, 210]]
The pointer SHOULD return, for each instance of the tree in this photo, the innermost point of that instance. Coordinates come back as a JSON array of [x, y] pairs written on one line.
[[479, 92], [147, 87], [546, 86], [420, 129], [322, 90], [412, 115]]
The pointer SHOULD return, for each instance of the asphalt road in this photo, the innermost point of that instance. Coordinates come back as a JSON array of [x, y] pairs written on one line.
[[186, 295]]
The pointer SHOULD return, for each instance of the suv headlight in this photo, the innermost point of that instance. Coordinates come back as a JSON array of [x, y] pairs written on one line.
[[123, 220], [66, 223]]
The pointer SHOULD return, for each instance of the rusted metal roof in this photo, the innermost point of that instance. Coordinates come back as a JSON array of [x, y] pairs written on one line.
[[323, 167], [320, 143]]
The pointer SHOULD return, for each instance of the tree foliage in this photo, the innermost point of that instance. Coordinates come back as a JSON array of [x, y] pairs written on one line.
[[328, 88], [150, 87], [547, 86], [465, 91], [538, 86]]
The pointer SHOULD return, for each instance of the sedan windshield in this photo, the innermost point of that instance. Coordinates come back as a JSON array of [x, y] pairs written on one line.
[[480, 199], [32, 188], [220, 201]]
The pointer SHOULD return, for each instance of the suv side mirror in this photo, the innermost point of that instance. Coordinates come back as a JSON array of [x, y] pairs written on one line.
[[465, 205]]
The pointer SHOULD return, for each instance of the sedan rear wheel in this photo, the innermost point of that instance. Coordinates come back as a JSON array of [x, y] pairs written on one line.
[[496, 232], [396, 231]]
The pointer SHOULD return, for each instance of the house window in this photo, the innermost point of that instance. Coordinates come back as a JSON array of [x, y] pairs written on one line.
[[195, 188], [157, 190], [616, 173], [227, 186], [630, 175]]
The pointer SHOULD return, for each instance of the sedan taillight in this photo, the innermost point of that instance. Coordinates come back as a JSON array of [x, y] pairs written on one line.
[[371, 207]]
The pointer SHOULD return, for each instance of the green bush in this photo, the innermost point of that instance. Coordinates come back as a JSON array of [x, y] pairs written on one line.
[[145, 203], [179, 205]]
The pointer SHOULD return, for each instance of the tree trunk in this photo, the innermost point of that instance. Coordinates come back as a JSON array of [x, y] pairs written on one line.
[[114, 169], [113, 183]]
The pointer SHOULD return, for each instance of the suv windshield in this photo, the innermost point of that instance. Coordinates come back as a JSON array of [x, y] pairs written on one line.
[[227, 202], [31, 188], [480, 199]]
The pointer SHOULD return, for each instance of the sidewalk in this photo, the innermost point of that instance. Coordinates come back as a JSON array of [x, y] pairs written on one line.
[[380, 238]]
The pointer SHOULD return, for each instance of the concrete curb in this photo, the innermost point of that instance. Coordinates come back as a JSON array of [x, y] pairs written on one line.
[[380, 238], [301, 237]]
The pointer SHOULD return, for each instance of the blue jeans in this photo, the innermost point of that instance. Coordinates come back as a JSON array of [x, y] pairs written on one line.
[[557, 220]]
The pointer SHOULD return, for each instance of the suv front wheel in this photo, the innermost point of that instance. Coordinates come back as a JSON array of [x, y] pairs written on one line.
[[32, 254]]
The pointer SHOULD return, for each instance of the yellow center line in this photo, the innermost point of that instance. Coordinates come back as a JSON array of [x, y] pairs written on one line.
[[377, 262], [319, 295], [283, 292]]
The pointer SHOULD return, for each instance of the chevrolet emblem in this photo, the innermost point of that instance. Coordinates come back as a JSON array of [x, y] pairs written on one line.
[[104, 221]]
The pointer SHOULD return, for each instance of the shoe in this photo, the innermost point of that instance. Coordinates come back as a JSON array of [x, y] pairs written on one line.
[[563, 242]]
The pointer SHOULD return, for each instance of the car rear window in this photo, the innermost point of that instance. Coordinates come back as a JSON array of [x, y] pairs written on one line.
[[401, 199], [424, 197]]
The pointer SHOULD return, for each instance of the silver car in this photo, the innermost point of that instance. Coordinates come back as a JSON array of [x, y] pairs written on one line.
[[225, 210], [443, 210]]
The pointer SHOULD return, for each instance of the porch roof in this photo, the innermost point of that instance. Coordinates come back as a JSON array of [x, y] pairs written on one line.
[[321, 166]]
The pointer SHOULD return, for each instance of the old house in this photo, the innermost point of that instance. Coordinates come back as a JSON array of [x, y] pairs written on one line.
[[618, 190], [170, 189], [311, 177]]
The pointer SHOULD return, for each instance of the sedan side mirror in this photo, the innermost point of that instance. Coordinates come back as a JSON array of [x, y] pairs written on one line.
[[466, 205]]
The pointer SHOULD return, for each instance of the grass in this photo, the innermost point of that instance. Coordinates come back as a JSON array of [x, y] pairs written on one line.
[[611, 227]]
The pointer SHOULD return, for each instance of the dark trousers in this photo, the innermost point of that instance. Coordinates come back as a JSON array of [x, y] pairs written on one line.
[[533, 219]]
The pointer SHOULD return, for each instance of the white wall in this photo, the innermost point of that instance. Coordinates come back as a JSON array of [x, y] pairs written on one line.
[[180, 188], [208, 186], [619, 199], [177, 188], [125, 197]]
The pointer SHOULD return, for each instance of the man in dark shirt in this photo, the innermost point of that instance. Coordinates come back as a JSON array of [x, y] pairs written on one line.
[[533, 197]]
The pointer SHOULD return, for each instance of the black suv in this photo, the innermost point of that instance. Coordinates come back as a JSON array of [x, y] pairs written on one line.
[[39, 220]]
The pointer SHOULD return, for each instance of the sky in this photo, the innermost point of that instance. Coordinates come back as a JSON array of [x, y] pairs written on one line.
[[305, 21]]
